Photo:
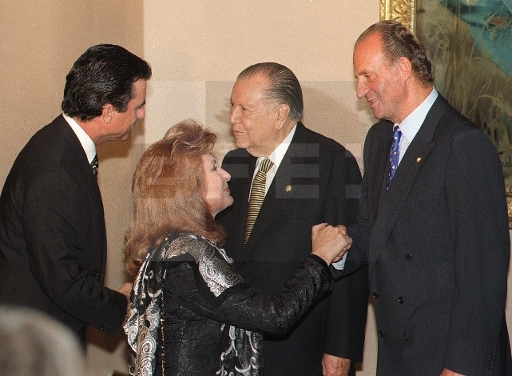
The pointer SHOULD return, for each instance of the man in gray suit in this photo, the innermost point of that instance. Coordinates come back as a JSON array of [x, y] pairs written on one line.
[[435, 235]]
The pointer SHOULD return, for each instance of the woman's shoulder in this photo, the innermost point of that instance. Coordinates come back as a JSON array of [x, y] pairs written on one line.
[[178, 244], [214, 266]]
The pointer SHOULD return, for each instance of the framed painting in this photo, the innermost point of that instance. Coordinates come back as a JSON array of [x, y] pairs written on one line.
[[470, 45]]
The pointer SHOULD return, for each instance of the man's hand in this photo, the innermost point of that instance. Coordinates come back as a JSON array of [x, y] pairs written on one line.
[[329, 242], [343, 230], [447, 372], [126, 289], [334, 366]]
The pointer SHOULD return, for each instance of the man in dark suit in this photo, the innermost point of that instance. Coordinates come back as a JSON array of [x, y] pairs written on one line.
[[313, 179], [52, 228], [435, 235]]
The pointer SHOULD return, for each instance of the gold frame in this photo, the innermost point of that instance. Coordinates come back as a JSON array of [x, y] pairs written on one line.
[[404, 11], [399, 10]]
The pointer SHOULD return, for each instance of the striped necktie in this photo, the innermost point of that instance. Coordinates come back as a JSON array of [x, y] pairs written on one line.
[[394, 154], [257, 196]]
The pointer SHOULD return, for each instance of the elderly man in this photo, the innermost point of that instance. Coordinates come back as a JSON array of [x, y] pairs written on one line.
[[433, 224], [286, 178]]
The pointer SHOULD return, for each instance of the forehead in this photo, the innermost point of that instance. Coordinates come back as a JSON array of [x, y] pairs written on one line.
[[139, 90], [250, 88], [208, 159], [368, 54]]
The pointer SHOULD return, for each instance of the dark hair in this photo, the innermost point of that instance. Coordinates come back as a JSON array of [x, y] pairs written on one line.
[[284, 86], [169, 191], [398, 41], [104, 74]]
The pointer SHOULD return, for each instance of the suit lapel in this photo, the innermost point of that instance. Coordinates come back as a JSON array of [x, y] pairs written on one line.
[[282, 188], [84, 172], [76, 147], [379, 156], [391, 202], [240, 186]]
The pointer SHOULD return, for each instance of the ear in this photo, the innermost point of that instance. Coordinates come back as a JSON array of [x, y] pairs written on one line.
[[107, 114], [283, 110], [405, 67]]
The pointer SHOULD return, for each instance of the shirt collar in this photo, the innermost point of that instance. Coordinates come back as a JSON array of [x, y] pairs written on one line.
[[412, 123], [278, 154], [85, 140]]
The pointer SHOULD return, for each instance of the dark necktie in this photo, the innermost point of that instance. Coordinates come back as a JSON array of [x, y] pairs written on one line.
[[257, 196], [394, 154], [94, 165]]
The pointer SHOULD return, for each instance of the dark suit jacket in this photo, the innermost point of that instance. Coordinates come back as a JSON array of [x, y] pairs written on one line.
[[437, 246], [317, 181], [52, 234]]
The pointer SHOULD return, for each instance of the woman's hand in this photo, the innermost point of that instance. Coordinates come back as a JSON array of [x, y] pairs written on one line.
[[329, 243]]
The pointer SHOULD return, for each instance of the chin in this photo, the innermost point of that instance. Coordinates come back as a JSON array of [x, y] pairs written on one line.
[[241, 143], [229, 203]]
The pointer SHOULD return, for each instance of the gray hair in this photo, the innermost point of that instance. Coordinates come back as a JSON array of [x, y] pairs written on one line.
[[284, 87]]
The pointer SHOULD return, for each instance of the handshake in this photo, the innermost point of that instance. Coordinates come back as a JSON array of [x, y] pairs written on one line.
[[330, 243]]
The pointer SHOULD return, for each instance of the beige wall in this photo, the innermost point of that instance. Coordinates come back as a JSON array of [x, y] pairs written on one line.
[[39, 41], [196, 49]]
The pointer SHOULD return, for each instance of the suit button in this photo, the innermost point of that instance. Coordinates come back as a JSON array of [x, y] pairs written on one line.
[[95, 273], [380, 333], [401, 300], [406, 338], [408, 257], [375, 295], [105, 329]]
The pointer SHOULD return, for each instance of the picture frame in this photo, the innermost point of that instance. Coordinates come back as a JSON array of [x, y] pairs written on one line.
[[468, 44], [399, 10]]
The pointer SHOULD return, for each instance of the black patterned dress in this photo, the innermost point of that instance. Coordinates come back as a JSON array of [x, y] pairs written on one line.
[[191, 313]]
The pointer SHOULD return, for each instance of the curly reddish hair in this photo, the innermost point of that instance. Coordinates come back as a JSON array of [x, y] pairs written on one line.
[[169, 192]]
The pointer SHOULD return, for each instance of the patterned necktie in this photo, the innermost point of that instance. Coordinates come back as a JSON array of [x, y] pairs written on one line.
[[394, 154], [257, 196], [94, 165]]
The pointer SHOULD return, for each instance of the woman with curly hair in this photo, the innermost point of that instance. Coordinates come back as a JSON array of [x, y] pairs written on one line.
[[190, 312]]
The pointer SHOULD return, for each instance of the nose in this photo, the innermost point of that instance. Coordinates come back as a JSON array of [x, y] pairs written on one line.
[[226, 174], [234, 114], [141, 113], [361, 89]]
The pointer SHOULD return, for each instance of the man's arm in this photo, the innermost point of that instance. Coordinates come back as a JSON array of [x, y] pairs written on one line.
[[57, 228], [346, 327], [478, 215]]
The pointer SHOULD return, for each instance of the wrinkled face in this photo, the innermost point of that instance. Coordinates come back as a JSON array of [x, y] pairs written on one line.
[[217, 190], [378, 81], [123, 122], [254, 117]]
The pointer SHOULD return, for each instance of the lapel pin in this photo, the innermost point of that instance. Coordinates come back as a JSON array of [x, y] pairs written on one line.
[[418, 160], [288, 188]]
